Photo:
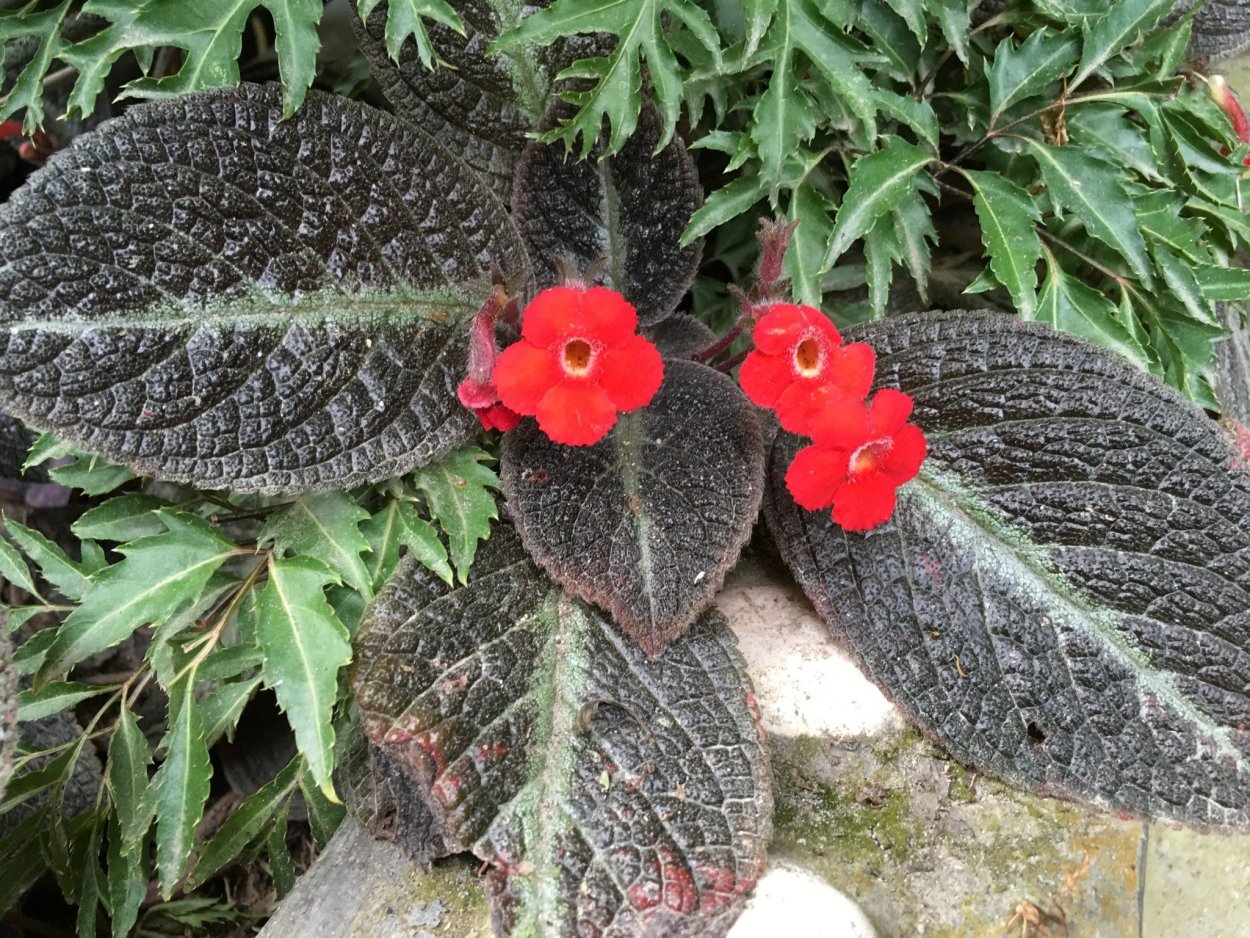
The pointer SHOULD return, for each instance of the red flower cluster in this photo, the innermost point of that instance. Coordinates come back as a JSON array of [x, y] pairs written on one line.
[[580, 361], [862, 452]]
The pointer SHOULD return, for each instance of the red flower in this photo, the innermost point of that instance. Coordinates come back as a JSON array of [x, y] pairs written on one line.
[[579, 363], [477, 391], [799, 366], [862, 454]]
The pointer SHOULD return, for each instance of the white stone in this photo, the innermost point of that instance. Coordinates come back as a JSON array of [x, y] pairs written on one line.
[[791, 901], [805, 684]]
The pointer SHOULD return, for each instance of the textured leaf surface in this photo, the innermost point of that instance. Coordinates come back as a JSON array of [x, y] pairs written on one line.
[[630, 209], [1063, 596], [648, 521], [646, 814], [457, 490], [1007, 215], [211, 295], [181, 786], [879, 181], [8, 703], [326, 528], [471, 106]]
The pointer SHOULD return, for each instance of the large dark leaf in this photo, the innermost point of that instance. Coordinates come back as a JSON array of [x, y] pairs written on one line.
[[611, 793], [629, 209], [1063, 597], [207, 293], [648, 521], [474, 104]]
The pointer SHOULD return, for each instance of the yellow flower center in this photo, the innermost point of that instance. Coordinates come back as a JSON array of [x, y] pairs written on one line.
[[578, 356], [869, 456], [808, 358]]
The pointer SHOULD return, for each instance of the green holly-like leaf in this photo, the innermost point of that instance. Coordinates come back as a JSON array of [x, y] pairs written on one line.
[[327, 528], [1106, 128], [405, 18], [1016, 74], [878, 183], [156, 576], [785, 115], [305, 647], [457, 491], [638, 26], [127, 778], [1126, 21], [44, 27], [55, 697], [1093, 190], [398, 525], [181, 786], [1070, 306], [812, 210], [66, 575], [211, 34], [1227, 284], [123, 518], [127, 882], [1008, 217], [729, 201]]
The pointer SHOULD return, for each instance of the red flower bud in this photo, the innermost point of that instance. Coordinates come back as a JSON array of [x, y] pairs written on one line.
[[477, 391]]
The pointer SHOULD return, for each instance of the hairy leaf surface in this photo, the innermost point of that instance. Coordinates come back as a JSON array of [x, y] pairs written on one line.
[[610, 792], [1063, 596], [648, 521], [209, 294], [629, 209]]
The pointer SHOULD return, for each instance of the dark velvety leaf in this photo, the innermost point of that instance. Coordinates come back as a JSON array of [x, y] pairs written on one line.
[[611, 793], [208, 294], [470, 104], [1063, 596], [682, 336], [630, 208], [1221, 28], [646, 522], [15, 443]]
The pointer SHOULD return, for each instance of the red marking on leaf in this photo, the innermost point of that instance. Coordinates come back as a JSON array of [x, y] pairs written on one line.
[[723, 886], [1238, 434], [430, 745], [446, 788], [754, 706], [489, 752]]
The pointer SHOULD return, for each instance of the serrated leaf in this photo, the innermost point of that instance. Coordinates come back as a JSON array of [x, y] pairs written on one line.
[[878, 183], [511, 775], [305, 333], [475, 104], [1094, 191], [756, 17], [123, 518], [1016, 74], [724, 204], [127, 882], [220, 710], [881, 252], [1008, 217], [211, 34], [812, 210], [281, 866], [912, 13], [324, 816], [1183, 286], [398, 524], [890, 37], [13, 568], [155, 578], [628, 209], [617, 77], [127, 779], [326, 528], [1070, 306], [918, 115], [955, 22], [247, 821], [56, 697], [181, 785], [648, 521], [457, 492], [53, 563], [913, 228], [305, 647], [1123, 26], [1106, 127], [43, 27], [1061, 597], [1223, 284]]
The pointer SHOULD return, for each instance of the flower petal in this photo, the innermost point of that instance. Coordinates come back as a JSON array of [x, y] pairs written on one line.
[[804, 401], [851, 368], [815, 475], [763, 377], [498, 417], [576, 413], [523, 374], [551, 315], [905, 456], [780, 327], [841, 425], [630, 374], [606, 317], [888, 411], [864, 502]]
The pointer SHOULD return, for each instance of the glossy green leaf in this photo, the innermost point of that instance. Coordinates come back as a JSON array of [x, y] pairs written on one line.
[[723, 204], [13, 568], [1018, 73], [221, 709], [43, 28], [405, 18], [1093, 190], [1008, 217], [1107, 128], [53, 563], [123, 518], [305, 647], [1183, 286], [56, 697], [181, 785], [1224, 284], [127, 882], [327, 528], [806, 254], [1125, 23], [1070, 306], [156, 576], [878, 183], [457, 490], [127, 777], [91, 474]]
